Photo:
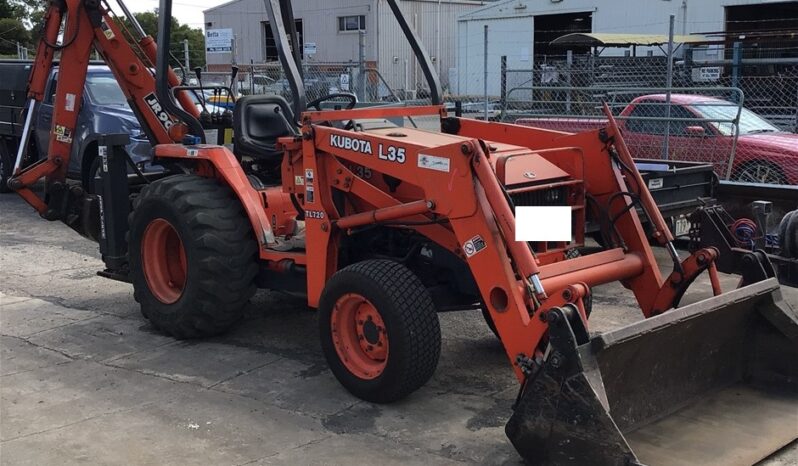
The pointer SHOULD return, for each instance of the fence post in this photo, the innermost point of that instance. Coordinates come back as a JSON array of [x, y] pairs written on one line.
[[504, 81], [186, 61], [569, 61], [252, 76], [485, 75], [737, 62], [668, 84], [361, 75], [795, 126]]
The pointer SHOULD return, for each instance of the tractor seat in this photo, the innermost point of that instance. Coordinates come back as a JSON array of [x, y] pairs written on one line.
[[258, 121]]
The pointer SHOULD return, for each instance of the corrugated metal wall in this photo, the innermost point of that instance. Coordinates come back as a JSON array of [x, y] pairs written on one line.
[[319, 23], [435, 21], [436, 24], [510, 37]]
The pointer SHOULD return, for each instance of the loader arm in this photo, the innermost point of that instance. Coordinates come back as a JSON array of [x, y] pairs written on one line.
[[449, 188], [87, 25]]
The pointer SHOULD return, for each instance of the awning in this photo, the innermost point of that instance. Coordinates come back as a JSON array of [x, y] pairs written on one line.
[[602, 39]]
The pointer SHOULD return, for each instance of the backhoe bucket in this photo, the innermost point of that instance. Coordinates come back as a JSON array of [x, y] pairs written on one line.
[[712, 383]]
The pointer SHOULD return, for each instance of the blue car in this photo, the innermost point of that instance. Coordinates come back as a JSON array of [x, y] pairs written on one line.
[[104, 110]]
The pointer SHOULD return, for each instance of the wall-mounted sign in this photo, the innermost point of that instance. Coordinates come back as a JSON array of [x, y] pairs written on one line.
[[310, 48], [219, 40]]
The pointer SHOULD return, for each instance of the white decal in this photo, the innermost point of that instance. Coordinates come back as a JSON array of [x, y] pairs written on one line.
[[299, 181], [192, 152], [159, 112], [431, 162], [474, 245], [63, 134], [102, 151], [347, 143], [70, 103], [317, 214], [392, 154], [107, 31]]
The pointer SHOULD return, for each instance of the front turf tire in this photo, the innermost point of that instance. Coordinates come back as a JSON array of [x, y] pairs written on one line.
[[396, 351], [193, 256]]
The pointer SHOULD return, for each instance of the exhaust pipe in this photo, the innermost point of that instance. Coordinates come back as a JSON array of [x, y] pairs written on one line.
[[715, 382]]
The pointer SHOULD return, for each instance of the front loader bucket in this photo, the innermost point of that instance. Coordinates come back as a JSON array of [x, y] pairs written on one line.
[[715, 382]]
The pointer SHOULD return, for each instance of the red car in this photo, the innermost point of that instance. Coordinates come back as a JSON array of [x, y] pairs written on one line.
[[764, 153]]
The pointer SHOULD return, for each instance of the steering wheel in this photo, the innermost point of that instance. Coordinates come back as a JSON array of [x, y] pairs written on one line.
[[352, 98]]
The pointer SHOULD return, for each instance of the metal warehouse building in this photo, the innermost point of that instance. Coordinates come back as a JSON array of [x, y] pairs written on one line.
[[330, 33], [522, 30]]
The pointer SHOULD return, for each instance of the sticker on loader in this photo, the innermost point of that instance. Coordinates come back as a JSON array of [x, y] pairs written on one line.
[[63, 134], [431, 162], [474, 245]]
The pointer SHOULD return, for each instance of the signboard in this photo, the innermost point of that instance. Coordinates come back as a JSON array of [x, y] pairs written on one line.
[[344, 82], [310, 48], [706, 74], [219, 41]]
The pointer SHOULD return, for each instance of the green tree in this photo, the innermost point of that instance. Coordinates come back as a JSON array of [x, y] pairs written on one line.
[[11, 9], [30, 12], [180, 32], [19, 23], [12, 32]]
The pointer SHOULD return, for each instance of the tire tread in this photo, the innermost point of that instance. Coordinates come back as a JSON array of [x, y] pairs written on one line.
[[227, 264]]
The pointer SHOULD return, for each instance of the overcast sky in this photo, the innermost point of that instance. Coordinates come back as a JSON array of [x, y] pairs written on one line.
[[186, 11]]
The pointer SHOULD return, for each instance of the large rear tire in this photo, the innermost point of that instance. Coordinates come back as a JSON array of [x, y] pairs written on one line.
[[193, 256], [379, 330]]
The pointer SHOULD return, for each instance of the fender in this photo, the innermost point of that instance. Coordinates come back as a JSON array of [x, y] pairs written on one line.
[[218, 161], [79, 152]]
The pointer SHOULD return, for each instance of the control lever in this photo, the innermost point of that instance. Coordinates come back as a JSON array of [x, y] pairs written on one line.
[[217, 100], [233, 78], [227, 116], [205, 117]]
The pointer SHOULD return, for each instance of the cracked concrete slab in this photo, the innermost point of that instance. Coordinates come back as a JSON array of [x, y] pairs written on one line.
[[102, 337], [18, 355], [31, 316], [6, 299], [85, 379], [204, 363], [157, 422], [379, 450], [309, 389]]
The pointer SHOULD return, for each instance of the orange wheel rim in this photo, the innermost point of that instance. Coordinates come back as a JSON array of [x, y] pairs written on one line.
[[163, 261], [359, 336]]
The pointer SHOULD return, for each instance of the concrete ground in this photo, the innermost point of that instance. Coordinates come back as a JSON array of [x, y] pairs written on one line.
[[84, 379]]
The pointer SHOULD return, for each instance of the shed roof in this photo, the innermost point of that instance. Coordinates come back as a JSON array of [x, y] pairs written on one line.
[[604, 39]]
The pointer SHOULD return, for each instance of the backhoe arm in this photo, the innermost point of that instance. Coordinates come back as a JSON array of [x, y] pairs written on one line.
[[87, 24]]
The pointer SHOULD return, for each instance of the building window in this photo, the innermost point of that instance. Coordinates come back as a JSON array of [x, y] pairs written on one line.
[[270, 49], [351, 23]]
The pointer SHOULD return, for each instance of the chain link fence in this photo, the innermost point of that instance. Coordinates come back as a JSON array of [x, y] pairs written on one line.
[[741, 116]]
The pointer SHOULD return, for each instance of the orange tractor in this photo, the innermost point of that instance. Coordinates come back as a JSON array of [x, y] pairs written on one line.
[[380, 226]]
